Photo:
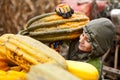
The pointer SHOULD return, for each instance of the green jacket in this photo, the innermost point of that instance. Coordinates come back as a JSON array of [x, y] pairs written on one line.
[[101, 33]]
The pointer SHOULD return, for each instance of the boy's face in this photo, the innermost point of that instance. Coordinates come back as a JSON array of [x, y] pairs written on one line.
[[84, 43]]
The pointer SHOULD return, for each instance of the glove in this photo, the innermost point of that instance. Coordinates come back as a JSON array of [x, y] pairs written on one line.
[[64, 10]]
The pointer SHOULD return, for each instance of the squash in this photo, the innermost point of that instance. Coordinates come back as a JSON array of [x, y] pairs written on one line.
[[49, 72], [3, 63], [26, 51], [52, 27], [12, 75], [83, 70]]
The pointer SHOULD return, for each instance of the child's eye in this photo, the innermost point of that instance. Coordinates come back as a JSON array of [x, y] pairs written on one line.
[[88, 40], [82, 34]]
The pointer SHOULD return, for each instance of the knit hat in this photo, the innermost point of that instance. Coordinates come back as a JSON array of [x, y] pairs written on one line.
[[101, 33]]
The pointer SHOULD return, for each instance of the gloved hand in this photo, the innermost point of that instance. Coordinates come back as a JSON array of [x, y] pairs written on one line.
[[64, 10]]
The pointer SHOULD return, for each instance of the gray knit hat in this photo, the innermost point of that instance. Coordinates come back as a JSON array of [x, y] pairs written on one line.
[[101, 33]]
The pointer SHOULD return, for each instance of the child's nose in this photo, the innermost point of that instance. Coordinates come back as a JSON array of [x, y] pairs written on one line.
[[81, 40]]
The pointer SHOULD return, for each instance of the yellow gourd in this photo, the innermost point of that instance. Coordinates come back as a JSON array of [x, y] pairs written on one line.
[[12, 75], [83, 70]]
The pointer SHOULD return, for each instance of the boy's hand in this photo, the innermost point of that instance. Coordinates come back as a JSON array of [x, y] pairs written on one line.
[[64, 10]]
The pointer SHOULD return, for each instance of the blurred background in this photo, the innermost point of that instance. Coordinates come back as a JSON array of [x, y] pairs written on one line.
[[14, 14]]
